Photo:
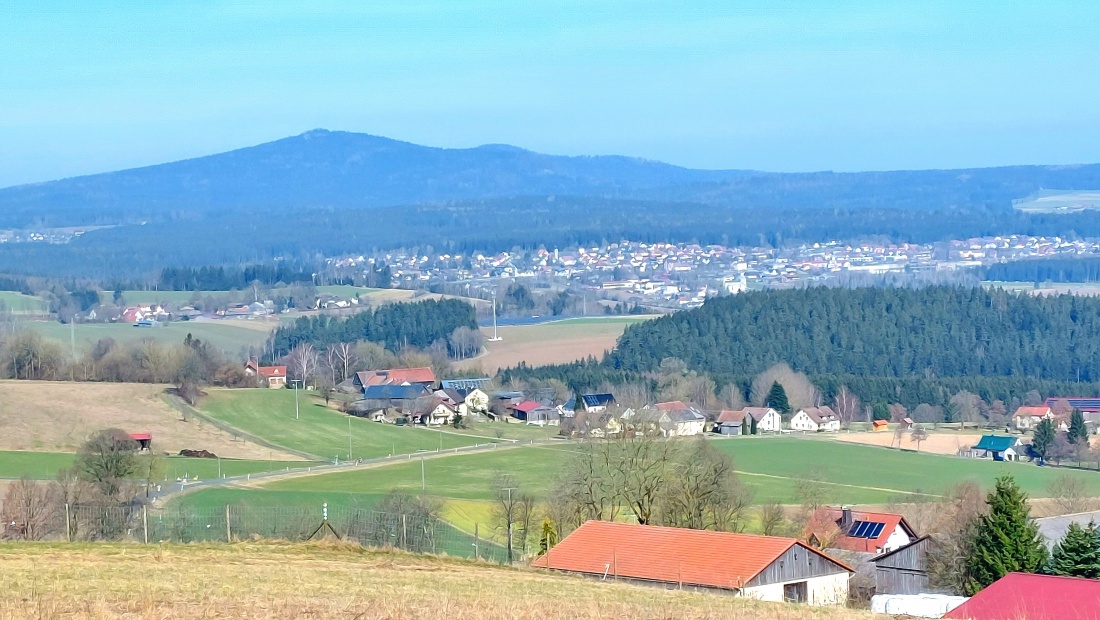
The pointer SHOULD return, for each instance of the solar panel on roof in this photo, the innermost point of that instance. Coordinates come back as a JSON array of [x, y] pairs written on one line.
[[876, 530], [858, 529]]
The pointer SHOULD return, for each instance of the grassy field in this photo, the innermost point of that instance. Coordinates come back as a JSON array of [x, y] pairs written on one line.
[[329, 580], [45, 465], [552, 343], [772, 467], [228, 335], [320, 431], [57, 416], [18, 303]]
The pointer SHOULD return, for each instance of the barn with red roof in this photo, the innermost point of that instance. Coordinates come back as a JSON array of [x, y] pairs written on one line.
[[768, 568], [1019, 596]]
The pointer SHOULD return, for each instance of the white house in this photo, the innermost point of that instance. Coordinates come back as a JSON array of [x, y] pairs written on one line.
[[676, 419], [816, 419], [998, 448], [767, 419]]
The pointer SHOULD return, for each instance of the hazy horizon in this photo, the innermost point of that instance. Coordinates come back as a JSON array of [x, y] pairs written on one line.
[[782, 87]]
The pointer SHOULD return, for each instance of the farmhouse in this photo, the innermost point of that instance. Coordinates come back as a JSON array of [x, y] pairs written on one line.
[[1035, 597], [767, 568], [998, 448], [817, 419], [1026, 418], [272, 376], [536, 413], [676, 419], [870, 532], [767, 420], [596, 403], [396, 376]]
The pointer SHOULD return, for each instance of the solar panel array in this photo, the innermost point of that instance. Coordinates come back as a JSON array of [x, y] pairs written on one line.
[[866, 529]]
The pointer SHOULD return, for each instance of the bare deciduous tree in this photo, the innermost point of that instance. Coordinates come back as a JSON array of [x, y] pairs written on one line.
[[28, 510], [847, 405], [801, 393], [303, 361], [772, 519]]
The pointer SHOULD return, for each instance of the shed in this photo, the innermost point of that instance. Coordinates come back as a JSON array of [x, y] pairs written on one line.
[[768, 568], [144, 440], [903, 570]]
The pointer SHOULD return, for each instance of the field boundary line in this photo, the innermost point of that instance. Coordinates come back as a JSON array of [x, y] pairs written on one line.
[[179, 405], [838, 484]]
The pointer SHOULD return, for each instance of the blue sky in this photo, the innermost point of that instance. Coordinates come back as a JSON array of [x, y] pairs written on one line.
[[732, 84]]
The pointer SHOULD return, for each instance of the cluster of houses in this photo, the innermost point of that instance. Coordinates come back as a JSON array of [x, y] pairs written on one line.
[[1058, 411]]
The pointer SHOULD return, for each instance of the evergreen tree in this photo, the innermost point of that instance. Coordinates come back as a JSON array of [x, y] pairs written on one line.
[[1043, 438], [880, 411], [1078, 553], [548, 538], [1077, 430], [1006, 540], [777, 399], [752, 425]]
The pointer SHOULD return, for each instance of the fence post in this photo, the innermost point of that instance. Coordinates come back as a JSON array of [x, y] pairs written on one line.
[[68, 525], [228, 529], [477, 540], [145, 522], [404, 535]]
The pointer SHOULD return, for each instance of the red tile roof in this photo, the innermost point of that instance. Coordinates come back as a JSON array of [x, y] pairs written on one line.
[[890, 522], [668, 554], [1027, 412], [1034, 597], [272, 371], [400, 376], [731, 416], [527, 406]]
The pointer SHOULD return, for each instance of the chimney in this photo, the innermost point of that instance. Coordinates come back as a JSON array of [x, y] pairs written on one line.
[[845, 518]]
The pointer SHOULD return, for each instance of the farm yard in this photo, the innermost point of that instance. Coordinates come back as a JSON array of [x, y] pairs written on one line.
[[330, 580], [553, 342]]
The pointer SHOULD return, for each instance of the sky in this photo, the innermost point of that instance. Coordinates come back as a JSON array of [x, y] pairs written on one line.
[[785, 86]]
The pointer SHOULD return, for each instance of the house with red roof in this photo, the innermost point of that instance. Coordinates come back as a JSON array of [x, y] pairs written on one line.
[[1026, 418], [767, 568], [271, 376], [395, 376], [1020, 596], [852, 530]]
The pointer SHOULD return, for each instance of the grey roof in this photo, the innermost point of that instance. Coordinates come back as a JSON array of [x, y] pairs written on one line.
[[1054, 528], [597, 400], [394, 392], [685, 415], [464, 384]]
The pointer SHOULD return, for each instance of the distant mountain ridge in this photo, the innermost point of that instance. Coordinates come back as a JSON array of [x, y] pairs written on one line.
[[322, 169]]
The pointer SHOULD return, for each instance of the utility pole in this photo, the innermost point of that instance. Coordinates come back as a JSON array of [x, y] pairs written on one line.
[[496, 335], [295, 382]]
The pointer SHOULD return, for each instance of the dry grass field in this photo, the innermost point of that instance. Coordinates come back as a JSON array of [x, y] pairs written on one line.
[[328, 580], [937, 443], [551, 343], [58, 416]]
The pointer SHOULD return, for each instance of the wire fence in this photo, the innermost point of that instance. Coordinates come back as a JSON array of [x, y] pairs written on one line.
[[145, 524]]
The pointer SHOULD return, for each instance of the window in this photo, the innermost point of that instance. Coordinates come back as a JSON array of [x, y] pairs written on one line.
[[796, 592]]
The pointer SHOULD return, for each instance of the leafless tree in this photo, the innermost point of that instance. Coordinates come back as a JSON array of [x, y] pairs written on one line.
[[345, 355], [801, 392], [966, 407], [513, 512], [1070, 494], [705, 492], [732, 396], [847, 405], [465, 342], [927, 414], [303, 361], [772, 519], [952, 536], [918, 435], [28, 510]]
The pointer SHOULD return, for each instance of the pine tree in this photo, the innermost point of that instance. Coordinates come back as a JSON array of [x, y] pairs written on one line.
[[1078, 553], [1077, 430], [1043, 438], [1006, 540], [777, 399], [548, 538]]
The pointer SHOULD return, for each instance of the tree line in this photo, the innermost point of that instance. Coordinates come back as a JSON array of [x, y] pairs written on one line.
[[395, 326], [1046, 270]]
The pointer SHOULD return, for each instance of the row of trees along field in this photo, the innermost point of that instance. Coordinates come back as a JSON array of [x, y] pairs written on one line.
[[396, 326], [1046, 270]]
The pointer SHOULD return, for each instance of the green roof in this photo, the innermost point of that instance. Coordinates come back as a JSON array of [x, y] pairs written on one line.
[[996, 443]]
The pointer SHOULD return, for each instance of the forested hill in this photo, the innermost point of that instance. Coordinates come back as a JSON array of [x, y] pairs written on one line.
[[875, 332], [330, 169]]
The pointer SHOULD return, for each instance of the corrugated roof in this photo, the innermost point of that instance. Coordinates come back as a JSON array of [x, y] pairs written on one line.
[[668, 554], [997, 443], [1034, 597]]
